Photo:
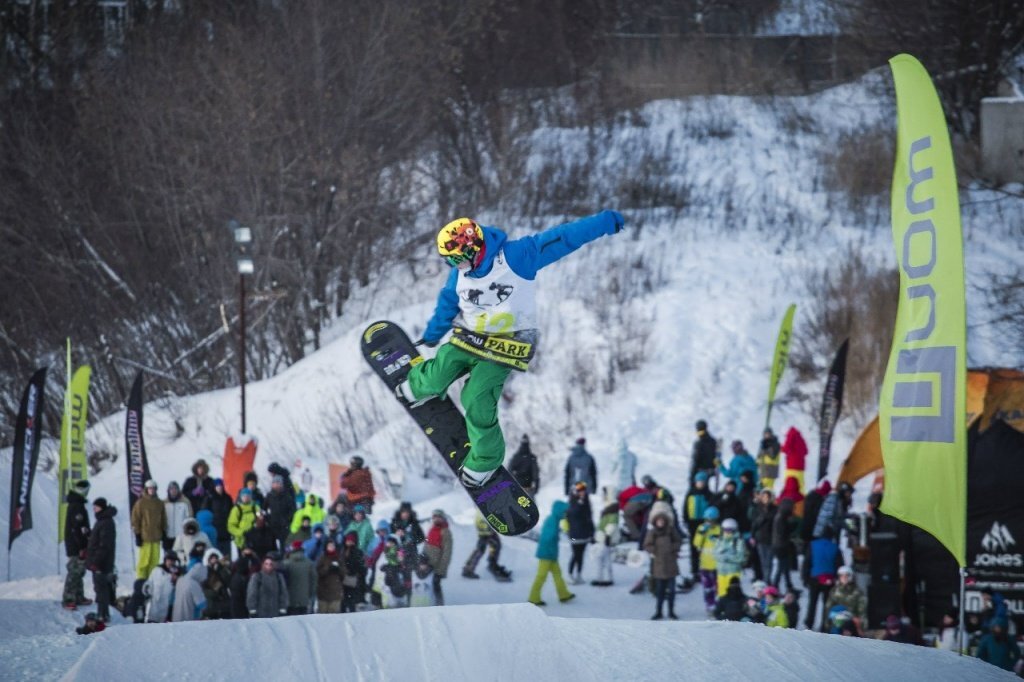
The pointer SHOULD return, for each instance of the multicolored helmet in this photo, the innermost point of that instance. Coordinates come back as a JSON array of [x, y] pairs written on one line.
[[460, 241]]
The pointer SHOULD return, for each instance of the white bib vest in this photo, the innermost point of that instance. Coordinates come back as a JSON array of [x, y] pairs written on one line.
[[500, 303]]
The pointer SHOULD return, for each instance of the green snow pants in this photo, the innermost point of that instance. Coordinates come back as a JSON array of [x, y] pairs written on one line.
[[479, 399]]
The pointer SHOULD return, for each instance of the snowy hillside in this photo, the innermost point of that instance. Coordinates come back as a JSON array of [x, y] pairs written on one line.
[[642, 333]]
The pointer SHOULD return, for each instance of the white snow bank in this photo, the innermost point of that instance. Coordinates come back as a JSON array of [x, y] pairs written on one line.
[[502, 642]]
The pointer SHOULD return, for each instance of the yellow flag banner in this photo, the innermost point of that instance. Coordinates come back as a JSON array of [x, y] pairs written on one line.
[[922, 410], [73, 466], [781, 358]]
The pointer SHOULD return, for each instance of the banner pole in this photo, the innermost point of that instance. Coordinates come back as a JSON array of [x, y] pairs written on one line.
[[960, 626]]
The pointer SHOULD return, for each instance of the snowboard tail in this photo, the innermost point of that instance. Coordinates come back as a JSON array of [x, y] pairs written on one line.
[[508, 508]]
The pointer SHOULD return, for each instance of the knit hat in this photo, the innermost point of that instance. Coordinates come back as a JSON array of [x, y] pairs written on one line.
[[353, 536], [701, 476], [151, 484], [359, 509], [383, 525], [82, 486], [581, 441], [244, 492], [100, 502], [702, 425], [297, 546], [218, 481], [438, 512], [250, 476], [173, 484], [844, 570]]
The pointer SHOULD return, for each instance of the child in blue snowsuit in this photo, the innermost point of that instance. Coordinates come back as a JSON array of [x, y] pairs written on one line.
[[489, 303]]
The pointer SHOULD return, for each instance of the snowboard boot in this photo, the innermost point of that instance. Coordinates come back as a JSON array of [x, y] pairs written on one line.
[[474, 479], [469, 573], [404, 394], [500, 573]]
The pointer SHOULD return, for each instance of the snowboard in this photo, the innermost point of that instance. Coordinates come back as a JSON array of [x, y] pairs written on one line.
[[508, 508]]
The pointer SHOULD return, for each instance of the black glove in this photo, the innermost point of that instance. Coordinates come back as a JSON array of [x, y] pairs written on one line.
[[138, 540], [424, 342]]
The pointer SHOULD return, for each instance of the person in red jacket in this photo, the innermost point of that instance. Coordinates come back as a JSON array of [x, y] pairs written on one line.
[[795, 449], [634, 503], [358, 484]]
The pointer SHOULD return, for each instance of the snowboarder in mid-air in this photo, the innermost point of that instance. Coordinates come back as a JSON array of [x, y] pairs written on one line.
[[495, 328]]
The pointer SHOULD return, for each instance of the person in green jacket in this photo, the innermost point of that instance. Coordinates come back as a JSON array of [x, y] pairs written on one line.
[[774, 610], [847, 593], [730, 554], [361, 526], [312, 509], [242, 517]]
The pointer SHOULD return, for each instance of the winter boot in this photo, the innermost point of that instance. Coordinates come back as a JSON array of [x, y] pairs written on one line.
[[569, 598], [469, 573], [404, 393], [657, 616], [474, 479]]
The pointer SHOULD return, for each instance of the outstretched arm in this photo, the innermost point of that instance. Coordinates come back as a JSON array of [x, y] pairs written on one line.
[[530, 254], [445, 311]]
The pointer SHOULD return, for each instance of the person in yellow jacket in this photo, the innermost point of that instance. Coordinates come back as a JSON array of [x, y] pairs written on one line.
[[313, 509], [704, 541], [242, 517]]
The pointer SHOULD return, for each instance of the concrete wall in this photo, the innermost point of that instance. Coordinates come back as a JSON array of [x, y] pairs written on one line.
[[1002, 139]]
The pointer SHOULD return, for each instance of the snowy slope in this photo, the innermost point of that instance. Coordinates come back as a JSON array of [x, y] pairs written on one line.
[[511, 642]]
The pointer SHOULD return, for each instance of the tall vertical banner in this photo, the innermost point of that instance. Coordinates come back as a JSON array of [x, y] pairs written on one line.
[[831, 406], [25, 456], [923, 406], [73, 466], [138, 465], [780, 359]]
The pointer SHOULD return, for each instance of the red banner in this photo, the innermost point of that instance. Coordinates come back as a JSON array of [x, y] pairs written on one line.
[[237, 461]]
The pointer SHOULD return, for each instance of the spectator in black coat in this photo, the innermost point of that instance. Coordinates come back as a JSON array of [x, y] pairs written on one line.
[[705, 451], [199, 485], [100, 554], [524, 468], [761, 532], [219, 503], [76, 540], [783, 549], [280, 508], [729, 503], [260, 538], [405, 526], [247, 564], [733, 604], [581, 530]]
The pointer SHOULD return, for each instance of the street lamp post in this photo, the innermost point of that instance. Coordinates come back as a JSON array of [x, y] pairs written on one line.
[[245, 266]]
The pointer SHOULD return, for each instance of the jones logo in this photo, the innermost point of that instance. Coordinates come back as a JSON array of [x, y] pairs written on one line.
[[938, 362], [997, 543]]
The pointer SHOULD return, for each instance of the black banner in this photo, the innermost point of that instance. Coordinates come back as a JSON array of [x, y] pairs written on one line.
[[831, 406], [138, 466], [26, 455]]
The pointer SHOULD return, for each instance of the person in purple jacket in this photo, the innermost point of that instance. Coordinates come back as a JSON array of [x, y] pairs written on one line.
[[489, 303]]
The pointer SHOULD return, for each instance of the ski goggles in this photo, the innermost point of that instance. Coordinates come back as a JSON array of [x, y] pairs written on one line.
[[456, 259]]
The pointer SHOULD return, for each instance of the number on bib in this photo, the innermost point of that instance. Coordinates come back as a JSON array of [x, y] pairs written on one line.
[[501, 323]]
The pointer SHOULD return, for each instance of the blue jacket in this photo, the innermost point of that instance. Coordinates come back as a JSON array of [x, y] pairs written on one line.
[[547, 544], [737, 465], [312, 547], [526, 256], [205, 520], [824, 553]]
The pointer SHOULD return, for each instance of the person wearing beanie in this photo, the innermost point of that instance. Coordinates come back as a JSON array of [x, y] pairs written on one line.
[[354, 568], [705, 538], [76, 539], [705, 452], [503, 270], [303, 533], [730, 555], [524, 468], [361, 526], [580, 466], [580, 521], [280, 509], [762, 520], [300, 576], [405, 526], [662, 542], [100, 556], [219, 503], [251, 481], [177, 508], [847, 593], [698, 499], [357, 482], [768, 455], [330, 576], [148, 522], [547, 557], [92, 625], [242, 517], [438, 551]]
